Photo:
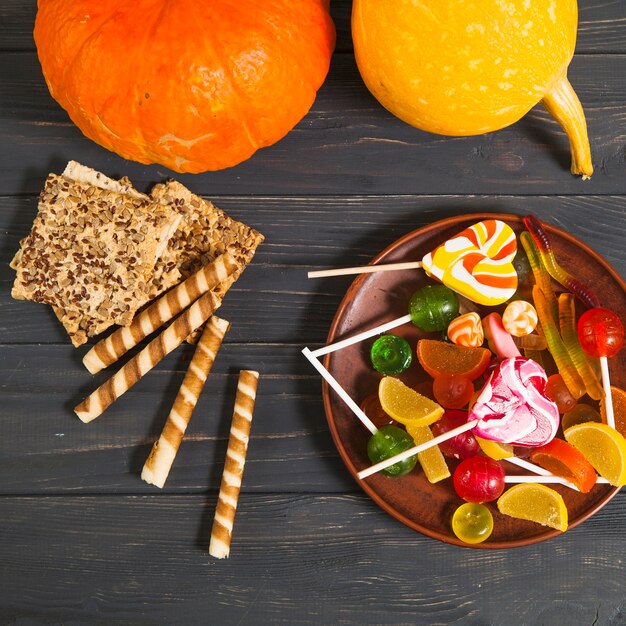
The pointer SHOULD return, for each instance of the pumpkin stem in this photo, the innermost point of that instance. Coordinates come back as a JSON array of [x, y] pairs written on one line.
[[564, 106]]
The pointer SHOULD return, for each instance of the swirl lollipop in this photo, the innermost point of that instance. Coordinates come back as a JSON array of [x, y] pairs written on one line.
[[477, 263], [601, 335]]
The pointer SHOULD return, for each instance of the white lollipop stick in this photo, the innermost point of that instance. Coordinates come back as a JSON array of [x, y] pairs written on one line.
[[366, 269], [540, 471], [414, 450], [608, 398], [543, 479], [531, 467], [341, 392], [383, 328]]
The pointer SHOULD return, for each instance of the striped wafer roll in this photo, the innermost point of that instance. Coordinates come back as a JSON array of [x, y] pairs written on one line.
[[159, 463], [198, 313], [207, 278], [222, 530]]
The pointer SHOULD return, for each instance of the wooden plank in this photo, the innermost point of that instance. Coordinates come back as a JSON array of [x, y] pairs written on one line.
[[347, 144], [44, 448], [294, 560], [272, 319], [274, 301], [601, 28]]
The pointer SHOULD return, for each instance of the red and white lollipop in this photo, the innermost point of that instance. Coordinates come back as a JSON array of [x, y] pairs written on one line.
[[511, 408]]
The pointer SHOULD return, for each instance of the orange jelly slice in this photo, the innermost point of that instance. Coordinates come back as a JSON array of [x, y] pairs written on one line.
[[440, 357], [563, 459]]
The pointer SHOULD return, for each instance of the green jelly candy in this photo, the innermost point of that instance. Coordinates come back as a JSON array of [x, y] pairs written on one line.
[[387, 442], [391, 354], [433, 307]]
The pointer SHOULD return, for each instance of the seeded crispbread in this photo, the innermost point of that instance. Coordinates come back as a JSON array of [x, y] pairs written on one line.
[[83, 174], [166, 272], [204, 233], [91, 253]]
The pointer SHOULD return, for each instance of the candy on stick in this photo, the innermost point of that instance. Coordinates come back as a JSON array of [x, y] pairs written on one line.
[[542, 278], [511, 408], [583, 292], [601, 335], [567, 322], [477, 263], [559, 353], [433, 307]]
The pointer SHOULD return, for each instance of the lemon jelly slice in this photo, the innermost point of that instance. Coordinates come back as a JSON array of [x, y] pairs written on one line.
[[603, 447], [432, 460], [535, 503], [405, 405]]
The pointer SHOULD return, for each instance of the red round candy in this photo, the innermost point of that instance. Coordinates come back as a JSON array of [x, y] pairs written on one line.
[[557, 391], [479, 479], [462, 446], [600, 332], [453, 391]]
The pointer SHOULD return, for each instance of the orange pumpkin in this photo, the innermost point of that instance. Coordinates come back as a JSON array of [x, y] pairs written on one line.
[[192, 85], [463, 68]]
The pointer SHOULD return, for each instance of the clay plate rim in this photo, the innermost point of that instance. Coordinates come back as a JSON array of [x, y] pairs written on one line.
[[339, 315]]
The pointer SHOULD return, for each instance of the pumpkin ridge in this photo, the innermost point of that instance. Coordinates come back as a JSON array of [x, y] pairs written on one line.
[[240, 99]]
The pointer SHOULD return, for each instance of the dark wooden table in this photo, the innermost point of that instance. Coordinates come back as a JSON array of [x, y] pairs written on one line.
[[84, 540]]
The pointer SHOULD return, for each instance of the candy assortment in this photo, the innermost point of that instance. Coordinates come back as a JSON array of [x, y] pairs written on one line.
[[513, 381]]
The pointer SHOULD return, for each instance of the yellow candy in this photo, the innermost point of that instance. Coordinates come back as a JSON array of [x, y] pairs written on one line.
[[477, 263], [519, 318], [432, 460]]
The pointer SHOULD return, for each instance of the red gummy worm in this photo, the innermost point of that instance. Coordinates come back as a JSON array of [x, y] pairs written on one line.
[[584, 293]]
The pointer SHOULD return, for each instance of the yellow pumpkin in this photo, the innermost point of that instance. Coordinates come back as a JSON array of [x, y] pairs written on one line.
[[458, 67]]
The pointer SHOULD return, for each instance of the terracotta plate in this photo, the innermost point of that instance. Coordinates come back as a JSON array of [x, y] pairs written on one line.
[[373, 299]]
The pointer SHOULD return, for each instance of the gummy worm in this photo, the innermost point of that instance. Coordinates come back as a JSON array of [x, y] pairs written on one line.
[[584, 293], [559, 353], [542, 278], [567, 320]]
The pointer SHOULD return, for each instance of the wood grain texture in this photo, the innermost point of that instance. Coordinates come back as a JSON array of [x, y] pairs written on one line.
[[274, 301], [295, 559], [347, 144], [601, 25], [44, 448], [85, 541]]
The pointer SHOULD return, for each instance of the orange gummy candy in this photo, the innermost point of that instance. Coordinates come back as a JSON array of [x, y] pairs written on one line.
[[440, 357]]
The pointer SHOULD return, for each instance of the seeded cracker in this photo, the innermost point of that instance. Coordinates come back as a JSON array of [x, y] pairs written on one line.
[[166, 273], [90, 254], [204, 233]]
